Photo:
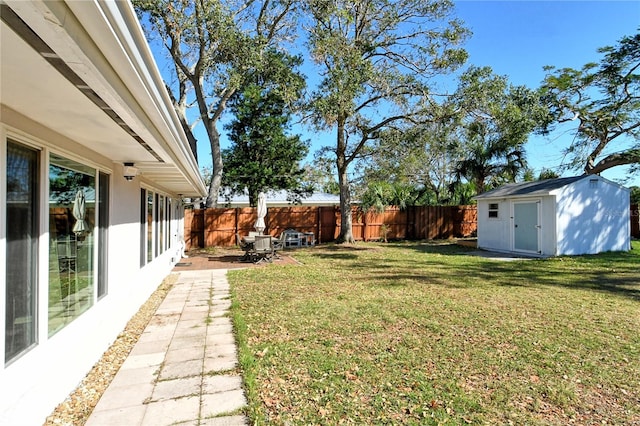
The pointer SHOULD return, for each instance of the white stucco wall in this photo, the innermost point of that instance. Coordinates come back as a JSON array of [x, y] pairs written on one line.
[[35, 383]]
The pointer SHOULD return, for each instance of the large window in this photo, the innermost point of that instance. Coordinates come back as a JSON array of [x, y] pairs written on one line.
[[72, 205], [143, 227], [21, 249], [155, 225]]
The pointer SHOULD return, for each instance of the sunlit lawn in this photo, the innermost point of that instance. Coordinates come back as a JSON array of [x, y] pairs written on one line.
[[424, 333]]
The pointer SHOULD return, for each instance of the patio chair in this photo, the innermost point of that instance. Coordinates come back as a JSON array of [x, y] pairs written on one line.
[[278, 244], [263, 248], [246, 247]]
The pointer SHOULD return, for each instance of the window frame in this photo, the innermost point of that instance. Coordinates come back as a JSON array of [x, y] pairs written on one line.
[[493, 211]]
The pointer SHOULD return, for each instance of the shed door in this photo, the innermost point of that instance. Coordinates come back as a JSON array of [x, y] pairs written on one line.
[[526, 226]]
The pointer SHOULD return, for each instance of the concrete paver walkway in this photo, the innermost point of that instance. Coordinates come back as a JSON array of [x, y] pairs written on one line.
[[180, 372]]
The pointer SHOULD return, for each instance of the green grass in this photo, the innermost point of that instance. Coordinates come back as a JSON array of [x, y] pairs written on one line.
[[424, 333]]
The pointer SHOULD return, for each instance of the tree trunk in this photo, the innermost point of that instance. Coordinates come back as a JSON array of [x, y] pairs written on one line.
[[216, 173], [346, 232]]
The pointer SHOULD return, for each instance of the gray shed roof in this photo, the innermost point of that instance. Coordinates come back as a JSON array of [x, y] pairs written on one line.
[[540, 187]]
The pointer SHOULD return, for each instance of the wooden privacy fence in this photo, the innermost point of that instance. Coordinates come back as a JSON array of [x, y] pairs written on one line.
[[218, 227]]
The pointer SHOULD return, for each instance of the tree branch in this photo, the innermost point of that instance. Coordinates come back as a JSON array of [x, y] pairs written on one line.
[[613, 160]]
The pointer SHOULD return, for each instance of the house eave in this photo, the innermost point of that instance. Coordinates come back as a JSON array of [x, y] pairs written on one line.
[[103, 45]]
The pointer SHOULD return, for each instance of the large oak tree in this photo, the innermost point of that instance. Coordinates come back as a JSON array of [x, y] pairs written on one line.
[[377, 59], [601, 103], [214, 45]]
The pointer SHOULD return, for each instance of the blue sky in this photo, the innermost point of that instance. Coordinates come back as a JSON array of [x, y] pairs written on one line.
[[517, 39]]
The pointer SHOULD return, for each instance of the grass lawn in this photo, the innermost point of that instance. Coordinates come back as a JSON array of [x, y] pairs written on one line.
[[424, 333]]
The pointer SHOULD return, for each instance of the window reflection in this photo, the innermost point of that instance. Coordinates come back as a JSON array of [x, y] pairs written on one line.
[[72, 203]]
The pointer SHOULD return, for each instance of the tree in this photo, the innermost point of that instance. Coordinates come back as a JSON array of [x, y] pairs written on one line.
[[496, 119], [548, 174], [422, 157], [320, 175], [379, 195], [602, 102], [376, 59], [213, 46], [635, 194], [262, 156]]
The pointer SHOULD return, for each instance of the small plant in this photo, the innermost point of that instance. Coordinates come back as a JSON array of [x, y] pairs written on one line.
[[384, 232]]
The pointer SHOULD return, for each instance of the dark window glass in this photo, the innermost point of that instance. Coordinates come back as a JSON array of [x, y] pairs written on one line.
[[156, 221], [149, 226], [161, 223], [493, 210], [22, 233], [103, 232], [143, 227]]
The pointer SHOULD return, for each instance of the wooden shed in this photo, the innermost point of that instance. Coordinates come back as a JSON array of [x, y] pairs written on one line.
[[566, 216]]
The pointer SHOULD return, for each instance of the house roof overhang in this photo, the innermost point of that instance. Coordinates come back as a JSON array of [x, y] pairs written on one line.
[[84, 70]]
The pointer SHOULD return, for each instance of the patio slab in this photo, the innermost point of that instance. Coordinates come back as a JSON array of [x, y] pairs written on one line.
[[180, 371]]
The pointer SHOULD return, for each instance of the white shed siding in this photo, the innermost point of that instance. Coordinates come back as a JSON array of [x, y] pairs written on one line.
[[548, 226], [593, 216], [493, 234], [580, 215]]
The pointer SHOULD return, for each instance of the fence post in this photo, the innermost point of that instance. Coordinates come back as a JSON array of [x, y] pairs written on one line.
[[319, 223]]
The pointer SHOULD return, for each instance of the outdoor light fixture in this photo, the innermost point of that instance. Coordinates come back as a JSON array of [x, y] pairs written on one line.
[[129, 171]]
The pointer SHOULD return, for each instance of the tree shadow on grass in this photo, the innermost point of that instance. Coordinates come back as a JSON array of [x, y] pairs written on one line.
[[613, 273]]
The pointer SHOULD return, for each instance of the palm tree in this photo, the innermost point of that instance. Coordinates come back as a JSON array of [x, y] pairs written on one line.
[[491, 161]]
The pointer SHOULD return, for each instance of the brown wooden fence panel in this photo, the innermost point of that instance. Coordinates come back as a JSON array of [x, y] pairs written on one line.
[[217, 227], [635, 220], [220, 227], [245, 219], [194, 228], [465, 221], [302, 219], [370, 225], [328, 224]]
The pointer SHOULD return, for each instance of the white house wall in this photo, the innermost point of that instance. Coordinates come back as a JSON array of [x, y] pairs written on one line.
[[33, 384], [42, 110], [593, 216]]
